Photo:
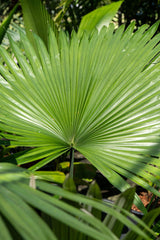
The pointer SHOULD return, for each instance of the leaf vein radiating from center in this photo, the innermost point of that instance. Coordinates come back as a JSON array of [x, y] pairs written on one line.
[[99, 94]]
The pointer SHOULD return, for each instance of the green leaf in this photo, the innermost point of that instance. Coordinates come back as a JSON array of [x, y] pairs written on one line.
[[69, 184], [148, 219], [99, 18], [84, 170], [9, 173], [106, 208], [22, 217], [156, 227], [4, 233], [17, 209], [18, 202], [95, 193], [4, 25], [53, 176], [94, 95], [36, 20], [63, 212], [125, 201]]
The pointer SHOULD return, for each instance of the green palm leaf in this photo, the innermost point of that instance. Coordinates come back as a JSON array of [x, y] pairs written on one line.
[[36, 19], [18, 203], [99, 18], [4, 25], [98, 95]]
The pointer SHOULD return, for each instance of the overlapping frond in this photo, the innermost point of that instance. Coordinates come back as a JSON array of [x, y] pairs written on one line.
[[19, 202], [98, 94]]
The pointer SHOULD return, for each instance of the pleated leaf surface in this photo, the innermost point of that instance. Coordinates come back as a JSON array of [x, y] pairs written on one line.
[[98, 94]]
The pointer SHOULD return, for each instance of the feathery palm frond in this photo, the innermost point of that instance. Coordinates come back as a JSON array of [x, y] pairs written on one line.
[[98, 95]]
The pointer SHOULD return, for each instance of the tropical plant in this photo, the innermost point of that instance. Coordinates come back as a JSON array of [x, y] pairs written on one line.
[[38, 20], [98, 94], [4, 25], [27, 213], [68, 14]]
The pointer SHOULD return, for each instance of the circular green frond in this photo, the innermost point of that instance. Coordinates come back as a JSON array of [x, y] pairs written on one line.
[[99, 94]]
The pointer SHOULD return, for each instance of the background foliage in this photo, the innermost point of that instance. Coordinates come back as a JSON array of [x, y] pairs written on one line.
[[120, 157], [70, 12]]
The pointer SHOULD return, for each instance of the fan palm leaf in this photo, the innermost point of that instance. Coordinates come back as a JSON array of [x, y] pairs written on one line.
[[98, 94]]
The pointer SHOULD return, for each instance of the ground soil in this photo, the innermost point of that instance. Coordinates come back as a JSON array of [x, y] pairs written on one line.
[[147, 199]]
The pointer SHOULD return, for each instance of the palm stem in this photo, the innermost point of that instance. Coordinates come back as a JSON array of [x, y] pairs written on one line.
[[71, 162]]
